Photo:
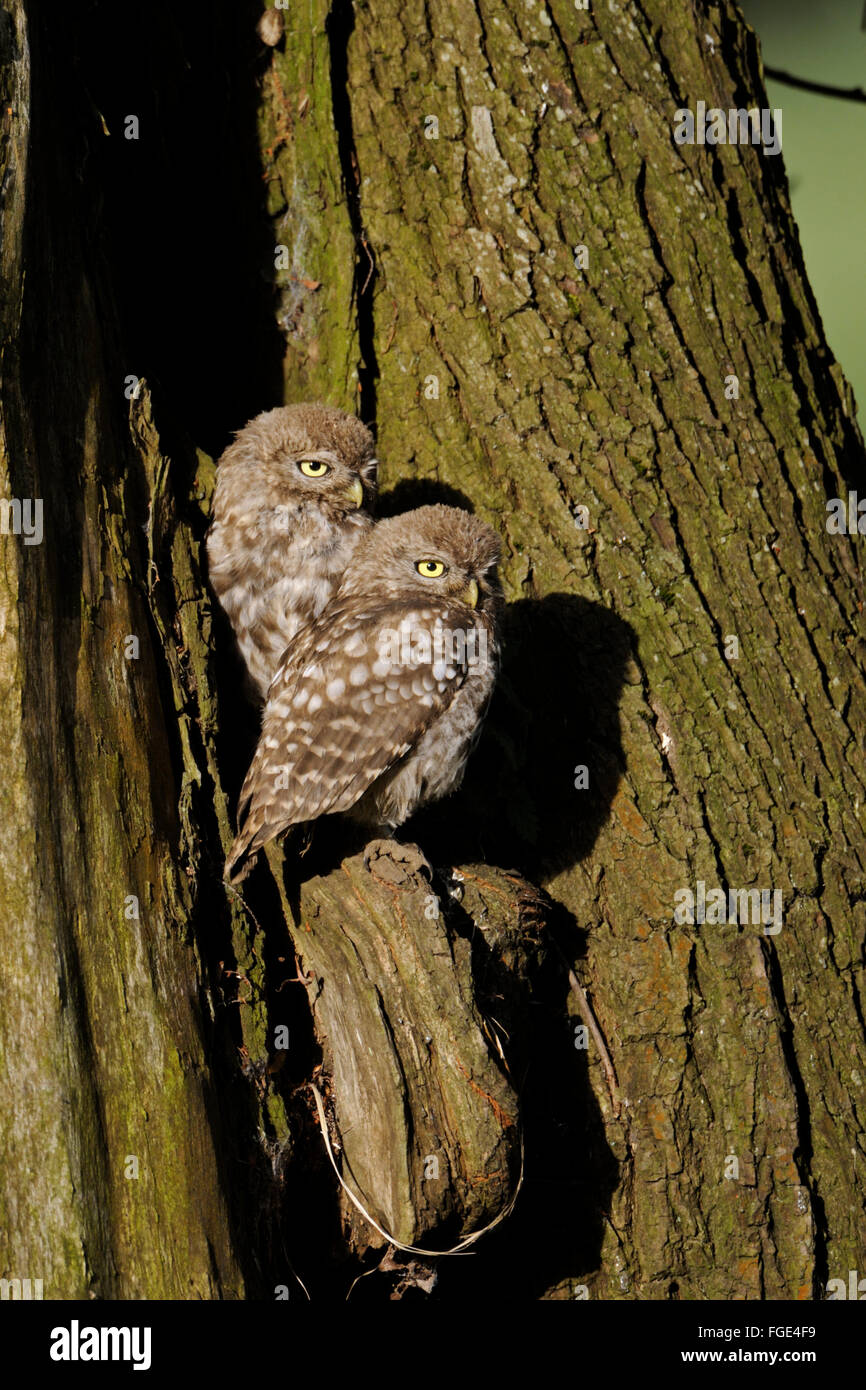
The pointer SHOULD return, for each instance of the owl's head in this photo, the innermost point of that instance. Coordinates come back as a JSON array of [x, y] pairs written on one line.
[[432, 553], [307, 455]]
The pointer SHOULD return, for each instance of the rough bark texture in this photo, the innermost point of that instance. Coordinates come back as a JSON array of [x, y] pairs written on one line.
[[428, 1119], [111, 1174], [556, 387]]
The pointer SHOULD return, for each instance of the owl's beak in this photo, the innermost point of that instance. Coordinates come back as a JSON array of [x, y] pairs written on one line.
[[355, 493], [470, 594]]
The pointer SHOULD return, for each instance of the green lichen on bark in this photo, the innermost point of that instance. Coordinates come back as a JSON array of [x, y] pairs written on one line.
[[306, 202], [111, 1181]]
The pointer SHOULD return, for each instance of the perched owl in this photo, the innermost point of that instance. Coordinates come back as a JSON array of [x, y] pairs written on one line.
[[293, 499], [377, 704]]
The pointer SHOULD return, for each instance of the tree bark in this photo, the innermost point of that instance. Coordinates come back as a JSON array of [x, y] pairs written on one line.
[[430, 171], [111, 1168]]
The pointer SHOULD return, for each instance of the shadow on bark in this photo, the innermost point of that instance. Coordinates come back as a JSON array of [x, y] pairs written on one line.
[[554, 711], [565, 664]]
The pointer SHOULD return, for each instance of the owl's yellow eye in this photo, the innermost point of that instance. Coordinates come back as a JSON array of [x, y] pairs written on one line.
[[431, 569], [313, 468]]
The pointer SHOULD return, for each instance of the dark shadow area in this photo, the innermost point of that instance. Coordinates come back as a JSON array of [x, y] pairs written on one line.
[[410, 493], [179, 211], [805, 1150], [289, 1191], [157, 234], [554, 711], [570, 1172], [339, 26]]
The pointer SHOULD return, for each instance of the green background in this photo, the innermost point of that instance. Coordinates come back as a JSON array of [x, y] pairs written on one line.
[[824, 149]]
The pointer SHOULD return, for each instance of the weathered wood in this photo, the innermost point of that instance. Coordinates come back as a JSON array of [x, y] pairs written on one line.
[[110, 1180], [426, 1112]]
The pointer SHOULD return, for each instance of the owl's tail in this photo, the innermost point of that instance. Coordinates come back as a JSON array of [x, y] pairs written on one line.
[[240, 860], [255, 829], [252, 834]]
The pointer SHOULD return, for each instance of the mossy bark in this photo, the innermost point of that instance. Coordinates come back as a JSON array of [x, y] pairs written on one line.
[[111, 1176], [430, 280]]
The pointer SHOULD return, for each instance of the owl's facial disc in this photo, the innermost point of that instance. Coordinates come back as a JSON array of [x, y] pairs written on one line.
[[335, 480], [462, 587]]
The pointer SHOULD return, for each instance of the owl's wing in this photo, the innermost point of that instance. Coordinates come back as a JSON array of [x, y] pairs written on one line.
[[354, 694]]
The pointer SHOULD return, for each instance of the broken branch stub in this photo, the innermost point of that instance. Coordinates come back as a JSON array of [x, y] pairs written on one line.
[[425, 1108]]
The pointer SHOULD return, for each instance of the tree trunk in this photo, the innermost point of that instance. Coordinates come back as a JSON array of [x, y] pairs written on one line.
[[431, 172]]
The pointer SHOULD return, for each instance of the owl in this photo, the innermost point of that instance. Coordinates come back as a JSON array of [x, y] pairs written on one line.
[[293, 499], [377, 704]]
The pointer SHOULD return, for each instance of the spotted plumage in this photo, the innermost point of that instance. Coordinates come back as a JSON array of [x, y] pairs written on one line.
[[377, 704], [293, 499]]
